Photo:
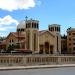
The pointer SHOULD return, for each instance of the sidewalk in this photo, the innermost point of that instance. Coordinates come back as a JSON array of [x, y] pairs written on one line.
[[36, 67]]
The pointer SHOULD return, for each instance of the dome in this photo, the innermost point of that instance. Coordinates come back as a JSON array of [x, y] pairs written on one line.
[[21, 25]]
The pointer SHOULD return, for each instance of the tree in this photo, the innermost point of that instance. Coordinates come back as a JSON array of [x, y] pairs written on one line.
[[10, 48], [2, 38]]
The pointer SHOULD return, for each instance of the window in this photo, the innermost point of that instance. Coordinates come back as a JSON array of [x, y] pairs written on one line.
[[52, 28], [18, 30], [73, 43], [12, 40], [28, 25], [73, 33], [74, 39], [32, 25], [69, 38], [69, 44], [69, 33], [73, 48], [22, 29], [49, 29], [59, 29], [37, 25]]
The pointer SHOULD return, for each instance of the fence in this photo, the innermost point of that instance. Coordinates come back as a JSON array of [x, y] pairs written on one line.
[[12, 60]]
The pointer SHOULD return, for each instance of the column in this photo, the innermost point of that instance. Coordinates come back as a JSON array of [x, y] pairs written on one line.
[[24, 60], [44, 49], [9, 61], [38, 42], [59, 60], [49, 49]]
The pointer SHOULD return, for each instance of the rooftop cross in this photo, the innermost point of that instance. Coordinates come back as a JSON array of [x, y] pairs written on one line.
[[26, 18]]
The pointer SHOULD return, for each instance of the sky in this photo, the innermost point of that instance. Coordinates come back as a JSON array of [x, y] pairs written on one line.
[[60, 12]]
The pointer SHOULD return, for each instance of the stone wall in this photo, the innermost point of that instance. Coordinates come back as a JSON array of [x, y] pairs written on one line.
[[23, 60]]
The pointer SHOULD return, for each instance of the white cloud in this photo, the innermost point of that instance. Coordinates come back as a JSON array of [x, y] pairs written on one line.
[[2, 29], [11, 5], [7, 23], [7, 20]]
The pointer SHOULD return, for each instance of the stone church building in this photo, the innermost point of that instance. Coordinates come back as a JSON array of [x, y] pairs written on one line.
[[31, 38]]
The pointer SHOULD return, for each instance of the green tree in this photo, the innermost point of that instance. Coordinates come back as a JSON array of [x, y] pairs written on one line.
[[2, 38], [11, 48]]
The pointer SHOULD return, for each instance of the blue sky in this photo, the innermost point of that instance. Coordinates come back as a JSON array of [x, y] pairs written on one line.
[[46, 11]]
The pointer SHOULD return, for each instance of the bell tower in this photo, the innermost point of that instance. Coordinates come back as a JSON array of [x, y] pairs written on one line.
[[32, 35], [55, 29]]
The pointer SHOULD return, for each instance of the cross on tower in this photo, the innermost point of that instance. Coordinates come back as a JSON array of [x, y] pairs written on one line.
[[26, 18]]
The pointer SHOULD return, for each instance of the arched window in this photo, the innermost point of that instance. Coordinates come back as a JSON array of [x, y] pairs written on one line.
[[37, 25], [22, 29], [12, 40], [34, 25], [28, 25], [59, 29], [18, 30]]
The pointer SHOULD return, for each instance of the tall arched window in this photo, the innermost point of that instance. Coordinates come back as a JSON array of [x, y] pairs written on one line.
[[37, 25]]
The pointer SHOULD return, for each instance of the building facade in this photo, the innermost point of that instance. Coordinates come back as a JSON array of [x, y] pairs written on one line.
[[29, 37], [64, 44], [71, 40]]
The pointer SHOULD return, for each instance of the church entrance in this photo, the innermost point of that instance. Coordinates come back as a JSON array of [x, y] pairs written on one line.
[[51, 49], [47, 47]]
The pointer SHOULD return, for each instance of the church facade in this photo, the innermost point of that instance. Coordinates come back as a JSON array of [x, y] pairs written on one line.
[[31, 38]]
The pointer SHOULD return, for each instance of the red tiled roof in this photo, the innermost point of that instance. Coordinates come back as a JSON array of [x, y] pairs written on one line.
[[4, 42], [17, 34]]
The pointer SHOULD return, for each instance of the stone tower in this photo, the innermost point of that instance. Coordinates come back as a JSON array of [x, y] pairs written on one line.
[[55, 29], [32, 35]]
